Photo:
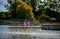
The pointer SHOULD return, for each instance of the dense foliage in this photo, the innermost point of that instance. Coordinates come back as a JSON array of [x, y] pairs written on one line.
[[5, 15], [32, 10], [20, 10], [24, 11]]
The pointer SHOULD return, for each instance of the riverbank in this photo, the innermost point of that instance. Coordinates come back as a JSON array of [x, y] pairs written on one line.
[[19, 21]]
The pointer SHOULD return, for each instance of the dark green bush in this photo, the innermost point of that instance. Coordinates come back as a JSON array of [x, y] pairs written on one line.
[[44, 17]]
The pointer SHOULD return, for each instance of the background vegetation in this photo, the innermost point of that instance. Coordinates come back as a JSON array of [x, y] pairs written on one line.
[[31, 10]]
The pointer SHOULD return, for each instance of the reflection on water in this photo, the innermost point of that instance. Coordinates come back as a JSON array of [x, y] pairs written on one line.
[[5, 36], [21, 36], [27, 33]]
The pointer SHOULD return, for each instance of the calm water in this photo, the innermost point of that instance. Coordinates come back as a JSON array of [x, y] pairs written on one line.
[[27, 33]]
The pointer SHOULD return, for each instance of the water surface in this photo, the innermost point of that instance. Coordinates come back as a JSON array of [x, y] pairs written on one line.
[[27, 33]]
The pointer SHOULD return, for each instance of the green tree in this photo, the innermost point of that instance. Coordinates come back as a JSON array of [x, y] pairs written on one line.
[[8, 15], [24, 11], [20, 10], [3, 16], [12, 7], [33, 4]]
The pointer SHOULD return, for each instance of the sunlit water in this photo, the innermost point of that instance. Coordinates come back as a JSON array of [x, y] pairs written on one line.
[[27, 33]]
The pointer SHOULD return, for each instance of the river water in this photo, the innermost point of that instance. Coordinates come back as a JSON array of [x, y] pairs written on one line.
[[27, 33]]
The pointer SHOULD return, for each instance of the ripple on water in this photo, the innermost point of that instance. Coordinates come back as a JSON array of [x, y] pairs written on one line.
[[28, 34]]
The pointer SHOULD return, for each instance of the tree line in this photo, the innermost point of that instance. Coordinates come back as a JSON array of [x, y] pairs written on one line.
[[30, 10]]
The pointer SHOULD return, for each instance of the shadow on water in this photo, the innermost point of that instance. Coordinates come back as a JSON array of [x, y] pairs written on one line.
[[51, 27]]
